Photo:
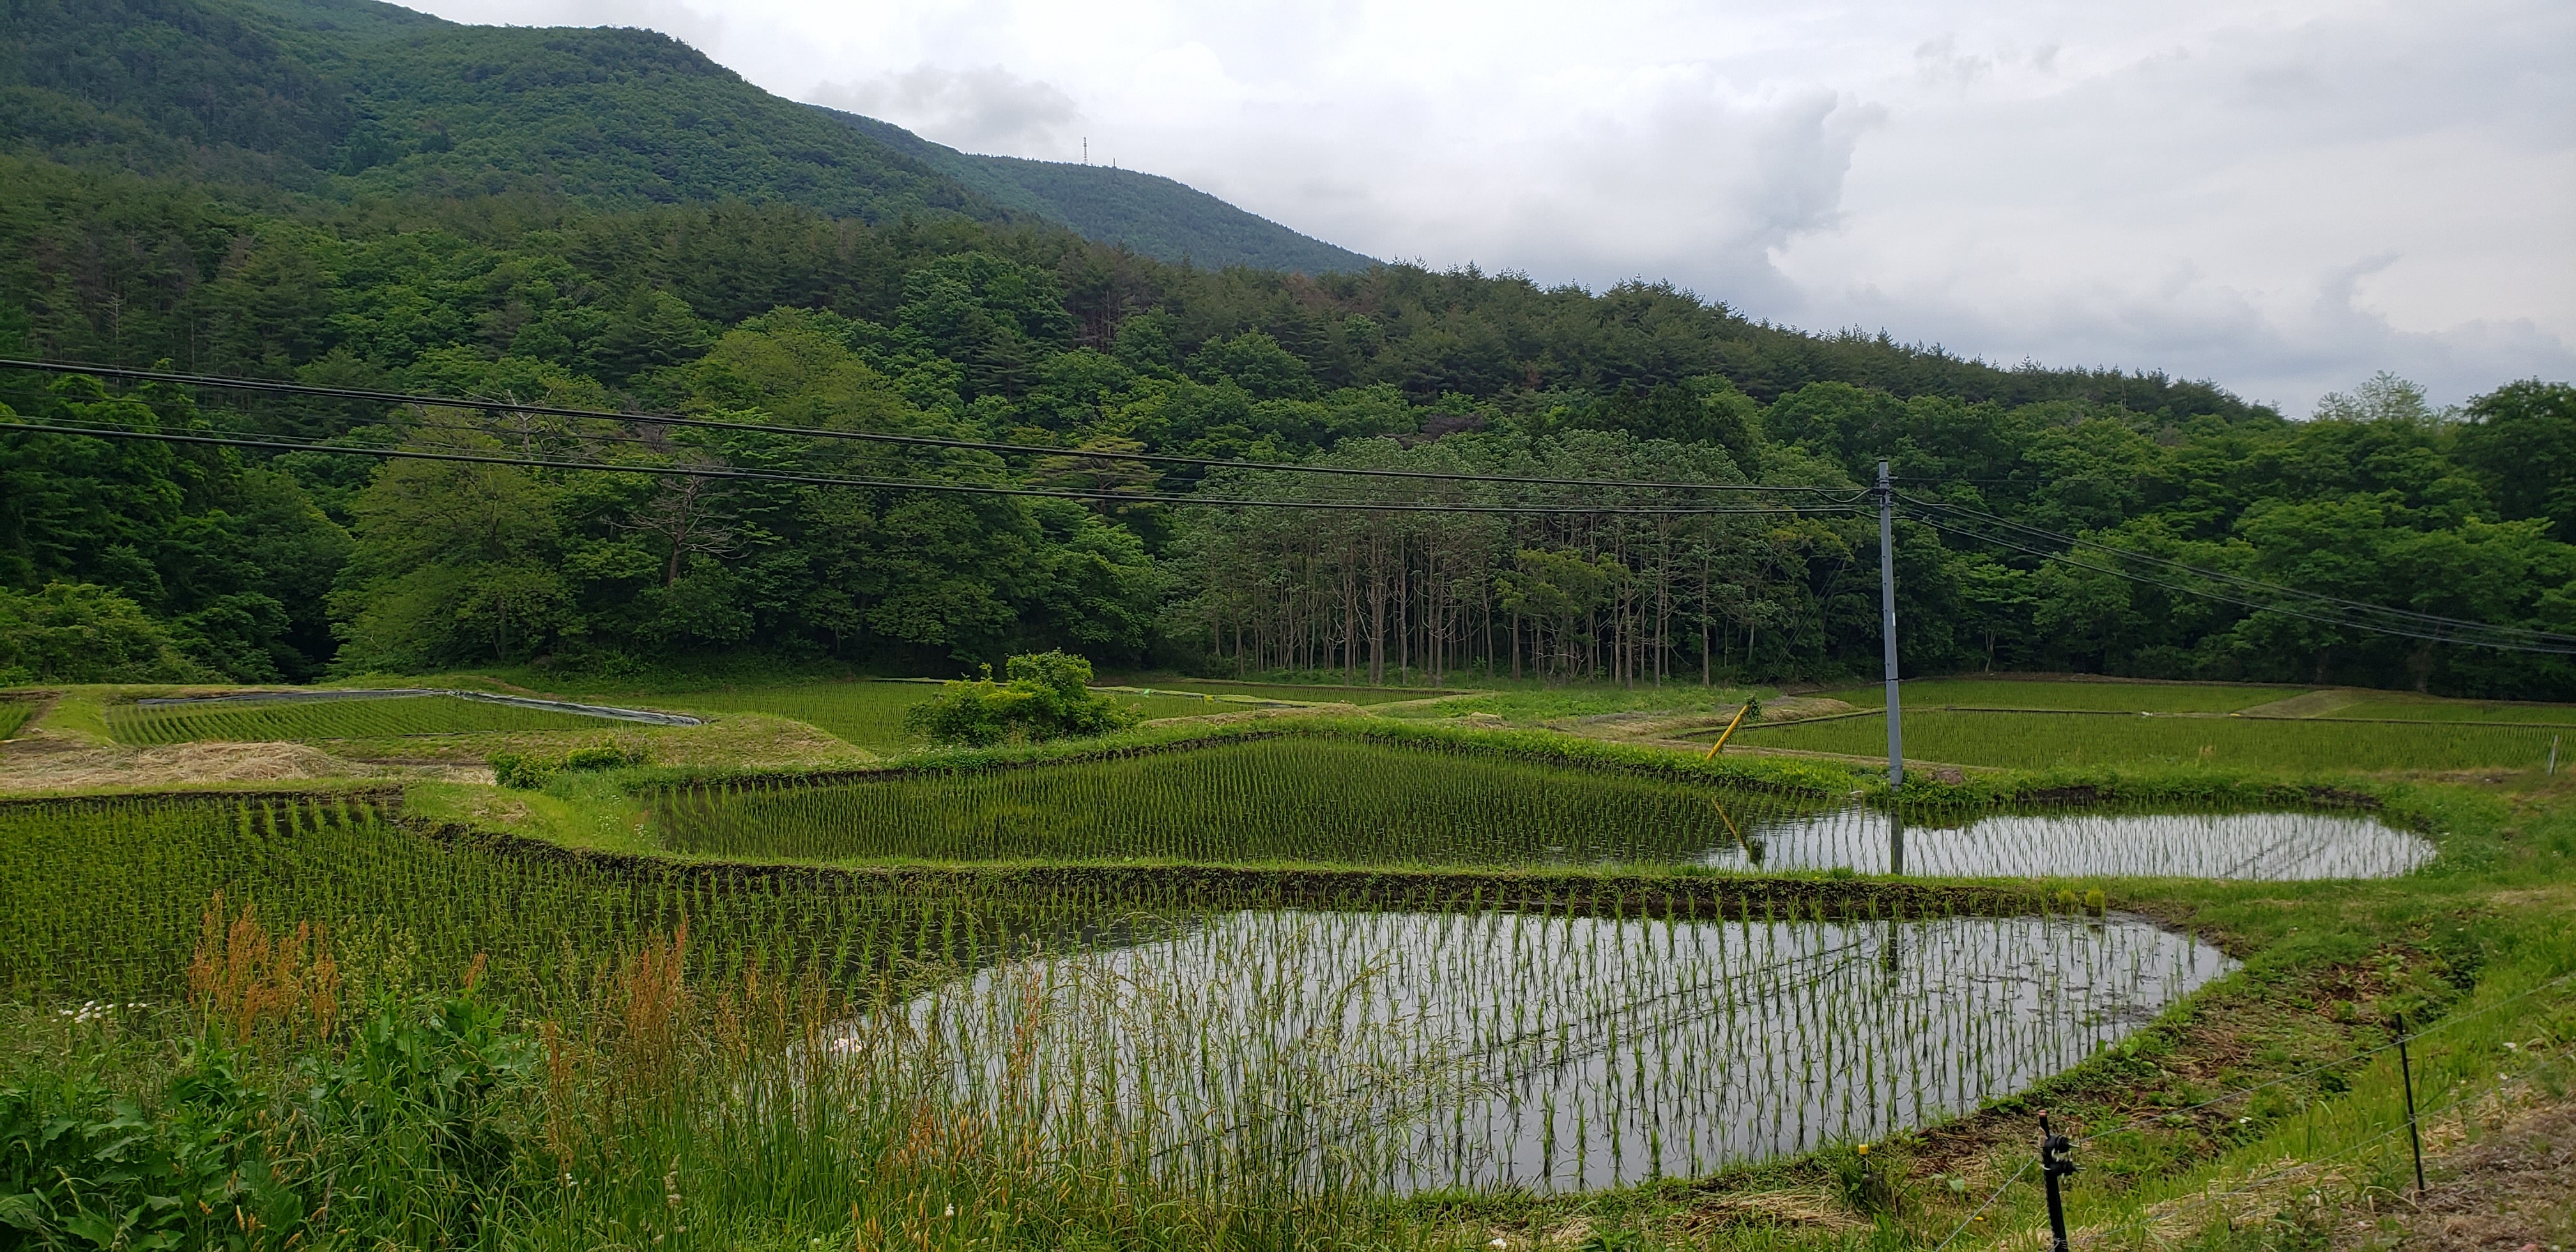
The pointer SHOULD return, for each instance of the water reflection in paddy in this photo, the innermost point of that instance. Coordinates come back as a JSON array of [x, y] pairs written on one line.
[[2270, 846], [1418, 1050]]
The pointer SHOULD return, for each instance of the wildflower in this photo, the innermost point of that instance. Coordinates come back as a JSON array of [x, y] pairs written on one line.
[[1864, 1149], [951, 1211]]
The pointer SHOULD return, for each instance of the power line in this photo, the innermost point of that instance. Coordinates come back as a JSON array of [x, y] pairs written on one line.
[[2432, 619], [924, 441], [827, 480]]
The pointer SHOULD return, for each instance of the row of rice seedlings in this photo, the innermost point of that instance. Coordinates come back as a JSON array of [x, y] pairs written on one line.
[[1541, 1051], [2403, 708], [2081, 844], [2047, 740], [1418, 1037], [1293, 798], [259, 721], [2008, 693]]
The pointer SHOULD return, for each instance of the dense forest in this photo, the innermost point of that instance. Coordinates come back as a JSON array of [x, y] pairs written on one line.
[[904, 315]]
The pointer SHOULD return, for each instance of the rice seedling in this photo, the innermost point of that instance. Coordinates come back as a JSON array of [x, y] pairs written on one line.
[[2393, 707], [318, 715], [2010, 693], [2273, 847], [2050, 740], [1292, 798], [1317, 799], [1546, 1052], [15, 714]]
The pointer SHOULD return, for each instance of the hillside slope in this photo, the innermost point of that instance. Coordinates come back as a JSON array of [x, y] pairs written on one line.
[[1156, 216], [347, 97]]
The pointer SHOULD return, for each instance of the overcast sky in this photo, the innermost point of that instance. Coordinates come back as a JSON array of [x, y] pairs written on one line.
[[2282, 197]]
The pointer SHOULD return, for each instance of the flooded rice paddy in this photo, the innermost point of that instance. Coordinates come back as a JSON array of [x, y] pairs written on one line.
[[2267, 846], [1424, 1050]]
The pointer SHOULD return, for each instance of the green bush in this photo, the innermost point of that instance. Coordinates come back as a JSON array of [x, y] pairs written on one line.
[[528, 773], [1047, 695]]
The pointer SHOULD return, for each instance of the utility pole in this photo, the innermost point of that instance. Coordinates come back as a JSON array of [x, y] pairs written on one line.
[[1887, 623]]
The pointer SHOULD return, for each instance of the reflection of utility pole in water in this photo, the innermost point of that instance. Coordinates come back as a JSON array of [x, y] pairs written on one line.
[[1891, 956], [1895, 838], [1752, 850]]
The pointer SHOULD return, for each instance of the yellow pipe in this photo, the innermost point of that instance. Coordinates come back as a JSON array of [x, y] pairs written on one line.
[[1730, 729]]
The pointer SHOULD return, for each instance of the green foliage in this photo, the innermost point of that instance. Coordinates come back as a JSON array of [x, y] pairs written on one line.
[[79, 633], [531, 772], [1044, 695]]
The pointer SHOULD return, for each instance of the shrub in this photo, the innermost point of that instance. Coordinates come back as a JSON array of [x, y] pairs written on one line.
[[528, 773], [1047, 695], [80, 633]]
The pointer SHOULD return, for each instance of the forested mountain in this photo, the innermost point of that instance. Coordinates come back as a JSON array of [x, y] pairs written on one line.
[[352, 98], [149, 229], [1151, 214]]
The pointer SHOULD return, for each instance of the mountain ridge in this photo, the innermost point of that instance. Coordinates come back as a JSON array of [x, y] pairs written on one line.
[[356, 97]]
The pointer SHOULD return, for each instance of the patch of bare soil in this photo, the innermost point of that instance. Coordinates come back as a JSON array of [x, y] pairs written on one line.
[[51, 763], [2513, 1189]]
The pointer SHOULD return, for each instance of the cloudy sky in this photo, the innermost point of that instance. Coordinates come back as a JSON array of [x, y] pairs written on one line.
[[2281, 196]]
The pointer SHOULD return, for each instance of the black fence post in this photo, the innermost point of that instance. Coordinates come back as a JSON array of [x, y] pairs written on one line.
[[2406, 1073], [2056, 1160]]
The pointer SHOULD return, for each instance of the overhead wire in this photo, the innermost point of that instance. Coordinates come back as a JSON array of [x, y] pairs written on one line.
[[929, 441]]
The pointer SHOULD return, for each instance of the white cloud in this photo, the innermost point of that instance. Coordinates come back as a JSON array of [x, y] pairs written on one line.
[[2285, 197], [986, 109]]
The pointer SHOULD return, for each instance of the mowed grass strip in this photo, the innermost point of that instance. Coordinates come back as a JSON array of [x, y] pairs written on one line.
[[2050, 740], [1291, 799], [248, 721], [870, 714], [2012, 693]]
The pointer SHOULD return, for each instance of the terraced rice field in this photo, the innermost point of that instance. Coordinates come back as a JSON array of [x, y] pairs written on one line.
[[2419, 709], [2049, 740], [2004, 693], [312, 718], [1554, 1052], [869, 714], [1316, 799], [1403, 1035], [15, 714]]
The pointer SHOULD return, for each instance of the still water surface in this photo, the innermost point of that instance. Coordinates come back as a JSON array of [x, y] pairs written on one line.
[[2268, 846], [1421, 1050]]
